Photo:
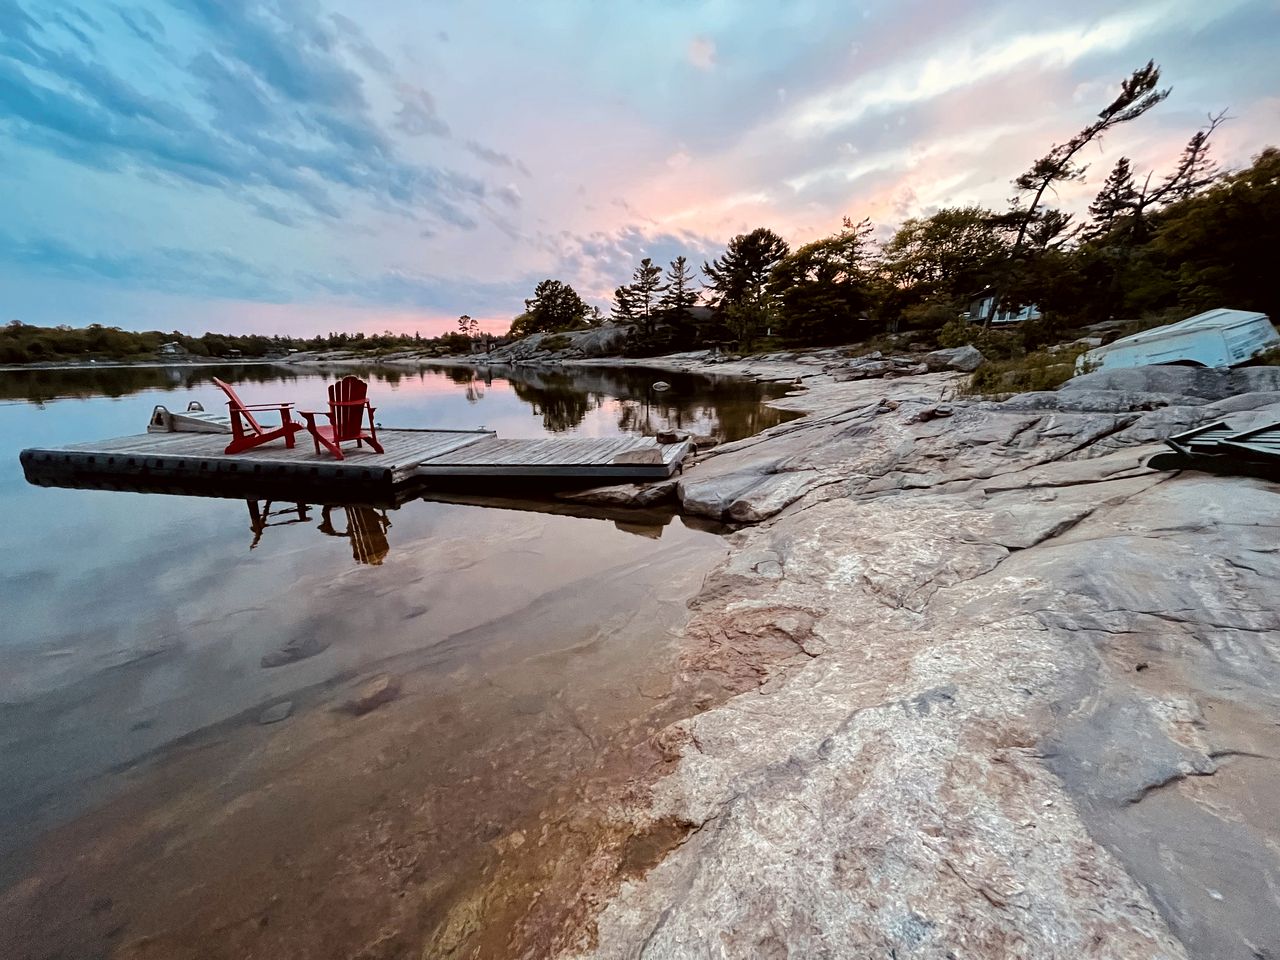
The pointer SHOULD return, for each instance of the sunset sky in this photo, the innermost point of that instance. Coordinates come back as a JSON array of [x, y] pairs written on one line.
[[289, 166]]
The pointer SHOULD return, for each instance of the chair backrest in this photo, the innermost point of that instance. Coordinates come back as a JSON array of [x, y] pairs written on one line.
[[349, 419], [237, 403]]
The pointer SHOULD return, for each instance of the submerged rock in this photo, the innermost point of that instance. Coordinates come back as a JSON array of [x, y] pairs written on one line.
[[625, 494], [293, 651], [276, 712], [380, 690]]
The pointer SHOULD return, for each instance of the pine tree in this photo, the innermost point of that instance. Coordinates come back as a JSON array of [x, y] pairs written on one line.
[[624, 308], [680, 294], [646, 287], [1038, 229], [1116, 198], [739, 281], [1195, 169]]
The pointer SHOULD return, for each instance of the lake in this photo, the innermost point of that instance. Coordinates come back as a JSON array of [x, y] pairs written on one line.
[[233, 727]]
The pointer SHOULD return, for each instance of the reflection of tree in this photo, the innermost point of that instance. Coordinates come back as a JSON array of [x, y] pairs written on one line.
[[459, 375], [554, 398], [725, 408], [728, 407], [92, 381]]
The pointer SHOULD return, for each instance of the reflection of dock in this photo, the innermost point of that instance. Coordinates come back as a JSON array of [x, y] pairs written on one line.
[[410, 454]]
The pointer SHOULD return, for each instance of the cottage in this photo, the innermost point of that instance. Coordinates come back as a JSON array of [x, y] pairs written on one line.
[[980, 311]]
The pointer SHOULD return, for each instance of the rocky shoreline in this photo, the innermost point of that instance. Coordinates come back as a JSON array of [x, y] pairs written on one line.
[[979, 682]]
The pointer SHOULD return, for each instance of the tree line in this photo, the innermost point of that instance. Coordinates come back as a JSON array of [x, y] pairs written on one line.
[[27, 343], [1152, 244]]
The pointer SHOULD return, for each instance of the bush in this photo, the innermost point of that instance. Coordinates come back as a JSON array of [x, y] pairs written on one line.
[[1039, 370], [956, 333]]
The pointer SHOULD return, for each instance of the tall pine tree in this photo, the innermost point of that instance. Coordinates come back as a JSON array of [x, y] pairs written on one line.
[[624, 308], [646, 287]]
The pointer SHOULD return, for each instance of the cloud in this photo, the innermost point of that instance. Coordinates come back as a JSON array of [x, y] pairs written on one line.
[[598, 261], [702, 53], [289, 116], [144, 24], [172, 270], [359, 44], [494, 157], [510, 195], [417, 115]]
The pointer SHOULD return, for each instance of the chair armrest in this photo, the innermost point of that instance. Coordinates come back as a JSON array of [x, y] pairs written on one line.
[[264, 406], [310, 414]]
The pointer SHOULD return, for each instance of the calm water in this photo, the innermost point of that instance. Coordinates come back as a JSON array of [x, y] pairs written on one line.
[[145, 634]]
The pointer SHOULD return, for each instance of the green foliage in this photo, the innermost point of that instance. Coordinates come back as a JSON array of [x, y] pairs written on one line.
[[1038, 370], [929, 316], [554, 306], [747, 319], [824, 290], [741, 275], [739, 282], [1220, 245], [623, 309], [646, 288], [956, 332], [943, 259], [23, 343], [679, 295]]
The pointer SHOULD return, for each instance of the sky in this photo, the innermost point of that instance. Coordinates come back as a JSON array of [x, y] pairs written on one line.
[[303, 166]]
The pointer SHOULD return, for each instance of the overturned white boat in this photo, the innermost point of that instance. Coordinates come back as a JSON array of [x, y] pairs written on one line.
[[1216, 338]]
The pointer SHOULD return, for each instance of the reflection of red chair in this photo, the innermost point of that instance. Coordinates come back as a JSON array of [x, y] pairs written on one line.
[[246, 432], [347, 405]]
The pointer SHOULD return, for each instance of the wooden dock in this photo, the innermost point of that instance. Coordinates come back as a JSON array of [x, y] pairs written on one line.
[[410, 455]]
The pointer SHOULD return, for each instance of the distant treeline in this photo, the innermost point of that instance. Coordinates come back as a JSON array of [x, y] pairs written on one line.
[[1153, 246], [24, 343]]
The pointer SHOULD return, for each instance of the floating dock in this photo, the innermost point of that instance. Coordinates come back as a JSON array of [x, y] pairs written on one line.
[[178, 457]]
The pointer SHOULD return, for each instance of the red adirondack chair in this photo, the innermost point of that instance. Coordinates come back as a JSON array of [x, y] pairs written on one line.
[[348, 402], [246, 432]]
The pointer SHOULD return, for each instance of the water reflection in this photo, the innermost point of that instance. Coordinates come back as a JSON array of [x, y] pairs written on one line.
[[42, 385], [565, 397], [593, 400], [152, 796], [367, 526]]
